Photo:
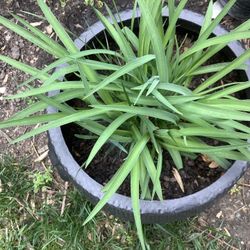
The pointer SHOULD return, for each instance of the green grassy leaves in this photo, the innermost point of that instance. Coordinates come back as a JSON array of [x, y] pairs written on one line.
[[125, 169], [153, 32], [106, 134]]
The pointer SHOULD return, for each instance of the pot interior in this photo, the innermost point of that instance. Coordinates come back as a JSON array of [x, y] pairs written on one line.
[[105, 165]]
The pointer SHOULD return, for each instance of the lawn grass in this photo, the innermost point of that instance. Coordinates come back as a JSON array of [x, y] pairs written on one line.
[[33, 220]]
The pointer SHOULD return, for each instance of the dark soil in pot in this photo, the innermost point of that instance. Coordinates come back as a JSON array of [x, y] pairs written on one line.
[[196, 174]]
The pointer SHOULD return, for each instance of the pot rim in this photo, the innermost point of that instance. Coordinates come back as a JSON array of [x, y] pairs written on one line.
[[172, 206]]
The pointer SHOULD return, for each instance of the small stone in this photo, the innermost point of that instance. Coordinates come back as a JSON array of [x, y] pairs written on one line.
[[49, 29], [21, 44], [190, 163], [15, 52], [8, 37], [238, 215], [219, 215], [165, 178], [2, 90], [5, 79], [2, 75]]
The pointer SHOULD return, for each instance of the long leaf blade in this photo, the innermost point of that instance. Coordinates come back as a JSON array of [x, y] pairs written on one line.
[[126, 168], [107, 134]]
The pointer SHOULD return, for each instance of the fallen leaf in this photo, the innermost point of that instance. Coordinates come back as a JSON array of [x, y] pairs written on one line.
[[49, 29], [33, 205], [78, 26], [227, 232], [213, 165], [35, 24], [5, 79], [42, 156], [90, 237], [1, 186], [42, 149], [2, 90], [178, 179], [219, 215], [205, 158], [37, 125]]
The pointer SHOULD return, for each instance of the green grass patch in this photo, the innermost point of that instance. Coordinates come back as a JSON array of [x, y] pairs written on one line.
[[31, 219]]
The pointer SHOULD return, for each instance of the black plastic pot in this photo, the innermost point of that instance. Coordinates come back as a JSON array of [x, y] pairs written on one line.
[[240, 10], [119, 205]]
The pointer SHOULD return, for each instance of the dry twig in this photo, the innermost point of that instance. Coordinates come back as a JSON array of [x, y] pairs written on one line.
[[66, 185]]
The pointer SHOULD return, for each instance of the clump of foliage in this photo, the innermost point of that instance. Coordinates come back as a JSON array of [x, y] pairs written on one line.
[[140, 97], [41, 179], [96, 3]]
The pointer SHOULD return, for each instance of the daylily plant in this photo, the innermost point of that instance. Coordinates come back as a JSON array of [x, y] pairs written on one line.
[[141, 97]]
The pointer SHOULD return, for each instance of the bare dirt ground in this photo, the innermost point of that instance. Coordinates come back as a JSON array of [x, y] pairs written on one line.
[[232, 213]]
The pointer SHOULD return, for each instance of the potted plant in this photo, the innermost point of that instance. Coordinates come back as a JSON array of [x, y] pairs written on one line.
[[155, 95], [240, 10]]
